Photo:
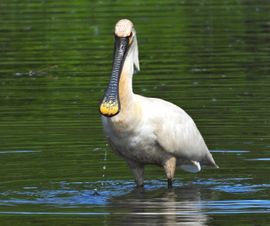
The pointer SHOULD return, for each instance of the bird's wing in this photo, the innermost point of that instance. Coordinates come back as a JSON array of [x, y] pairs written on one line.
[[176, 132]]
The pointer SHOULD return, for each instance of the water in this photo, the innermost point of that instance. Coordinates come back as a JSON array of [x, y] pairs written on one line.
[[211, 58]]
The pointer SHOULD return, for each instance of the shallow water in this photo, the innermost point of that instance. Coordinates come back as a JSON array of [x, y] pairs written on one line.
[[211, 58]]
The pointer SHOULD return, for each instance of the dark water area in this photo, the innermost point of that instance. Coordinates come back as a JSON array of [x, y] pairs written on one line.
[[212, 58]]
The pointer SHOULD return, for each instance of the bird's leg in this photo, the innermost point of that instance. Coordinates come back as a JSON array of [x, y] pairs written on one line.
[[170, 183], [138, 173], [169, 166]]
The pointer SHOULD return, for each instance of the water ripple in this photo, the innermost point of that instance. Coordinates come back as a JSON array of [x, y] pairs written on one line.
[[192, 203]]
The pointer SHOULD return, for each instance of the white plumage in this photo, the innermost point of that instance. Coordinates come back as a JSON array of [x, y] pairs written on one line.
[[150, 130]]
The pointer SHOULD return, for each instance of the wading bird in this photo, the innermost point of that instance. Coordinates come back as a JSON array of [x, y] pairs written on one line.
[[147, 130]]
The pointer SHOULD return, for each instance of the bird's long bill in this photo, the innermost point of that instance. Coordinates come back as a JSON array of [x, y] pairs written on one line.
[[110, 105]]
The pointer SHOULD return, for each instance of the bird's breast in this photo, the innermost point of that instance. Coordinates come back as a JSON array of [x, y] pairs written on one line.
[[138, 144]]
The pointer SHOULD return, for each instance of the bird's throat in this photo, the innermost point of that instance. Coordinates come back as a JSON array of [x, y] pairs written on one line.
[[125, 90]]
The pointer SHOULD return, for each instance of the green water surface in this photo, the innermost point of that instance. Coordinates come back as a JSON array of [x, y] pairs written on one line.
[[212, 58]]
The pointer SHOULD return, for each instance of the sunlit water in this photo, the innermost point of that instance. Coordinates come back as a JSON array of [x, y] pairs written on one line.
[[117, 201], [209, 57]]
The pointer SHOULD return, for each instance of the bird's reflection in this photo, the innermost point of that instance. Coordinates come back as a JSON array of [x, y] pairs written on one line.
[[180, 206]]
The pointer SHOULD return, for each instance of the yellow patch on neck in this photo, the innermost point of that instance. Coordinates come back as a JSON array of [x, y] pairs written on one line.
[[109, 108]]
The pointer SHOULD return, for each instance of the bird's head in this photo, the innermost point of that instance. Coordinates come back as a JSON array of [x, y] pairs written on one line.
[[125, 49], [124, 29]]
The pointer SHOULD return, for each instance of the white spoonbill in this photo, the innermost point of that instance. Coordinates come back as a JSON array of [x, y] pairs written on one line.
[[146, 130]]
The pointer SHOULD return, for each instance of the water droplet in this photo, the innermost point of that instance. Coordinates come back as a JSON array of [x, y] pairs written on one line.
[[104, 167]]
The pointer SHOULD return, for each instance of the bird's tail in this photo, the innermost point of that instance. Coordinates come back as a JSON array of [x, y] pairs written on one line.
[[209, 161], [195, 166], [191, 166]]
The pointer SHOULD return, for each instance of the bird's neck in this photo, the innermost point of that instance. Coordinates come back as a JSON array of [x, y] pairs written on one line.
[[129, 115], [125, 86]]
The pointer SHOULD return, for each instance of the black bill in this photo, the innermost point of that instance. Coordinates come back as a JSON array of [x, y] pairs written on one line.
[[110, 105]]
